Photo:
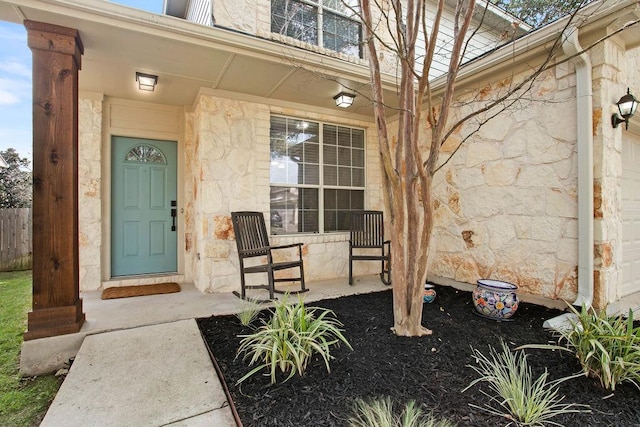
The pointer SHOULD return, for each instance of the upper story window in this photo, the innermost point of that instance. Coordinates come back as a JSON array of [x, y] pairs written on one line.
[[302, 19], [317, 175]]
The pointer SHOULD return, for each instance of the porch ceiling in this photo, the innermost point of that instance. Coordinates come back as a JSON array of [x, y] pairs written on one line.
[[118, 41]]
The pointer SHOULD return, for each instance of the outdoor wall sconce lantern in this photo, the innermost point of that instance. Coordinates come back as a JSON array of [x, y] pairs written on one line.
[[146, 82], [344, 100], [627, 107]]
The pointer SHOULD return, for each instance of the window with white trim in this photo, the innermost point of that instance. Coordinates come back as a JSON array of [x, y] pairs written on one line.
[[302, 19], [317, 175]]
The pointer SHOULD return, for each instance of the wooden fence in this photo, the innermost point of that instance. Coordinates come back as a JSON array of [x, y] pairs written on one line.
[[15, 239]]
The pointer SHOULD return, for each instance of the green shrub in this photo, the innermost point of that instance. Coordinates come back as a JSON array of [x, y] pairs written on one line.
[[608, 348], [289, 339], [380, 413], [515, 395]]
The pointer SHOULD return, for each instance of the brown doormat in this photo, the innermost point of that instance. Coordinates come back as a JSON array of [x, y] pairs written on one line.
[[138, 291]]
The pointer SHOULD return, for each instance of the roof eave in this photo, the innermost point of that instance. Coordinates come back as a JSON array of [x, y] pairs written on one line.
[[535, 42]]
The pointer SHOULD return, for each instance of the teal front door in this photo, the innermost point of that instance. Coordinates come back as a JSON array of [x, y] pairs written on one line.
[[143, 206]]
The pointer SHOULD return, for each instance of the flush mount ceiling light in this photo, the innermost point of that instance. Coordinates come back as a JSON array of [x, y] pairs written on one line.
[[344, 100], [627, 107], [146, 82]]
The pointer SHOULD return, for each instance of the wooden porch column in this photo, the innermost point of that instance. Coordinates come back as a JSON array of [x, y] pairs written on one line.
[[57, 307]]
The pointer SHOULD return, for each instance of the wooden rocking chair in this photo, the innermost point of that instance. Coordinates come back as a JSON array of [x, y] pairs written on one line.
[[367, 232], [252, 241]]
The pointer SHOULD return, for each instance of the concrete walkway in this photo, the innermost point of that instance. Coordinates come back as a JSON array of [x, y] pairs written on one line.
[[142, 360], [157, 375]]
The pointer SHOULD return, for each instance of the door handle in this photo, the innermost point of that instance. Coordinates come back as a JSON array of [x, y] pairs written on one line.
[[174, 213]]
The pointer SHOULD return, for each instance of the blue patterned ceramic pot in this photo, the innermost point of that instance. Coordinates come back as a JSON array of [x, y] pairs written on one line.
[[495, 299], [429, 293]]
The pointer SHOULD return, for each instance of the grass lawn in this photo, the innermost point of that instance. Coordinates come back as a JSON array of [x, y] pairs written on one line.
[[23, 401]]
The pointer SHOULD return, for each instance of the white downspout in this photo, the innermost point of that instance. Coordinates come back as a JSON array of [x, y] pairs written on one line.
[[584, 96]]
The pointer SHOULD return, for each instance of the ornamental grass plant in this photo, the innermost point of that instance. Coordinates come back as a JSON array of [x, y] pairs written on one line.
[[381, 413], [514, 393], [249, 312], [607, 347], [288, 340]]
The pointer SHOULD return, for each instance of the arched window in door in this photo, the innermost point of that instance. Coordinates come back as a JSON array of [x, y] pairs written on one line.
[[145, 154]]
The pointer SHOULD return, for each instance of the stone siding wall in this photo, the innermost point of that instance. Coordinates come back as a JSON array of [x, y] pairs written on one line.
[[89, 191], [506, 204], [224, 174], [190, 191], [227, 169], [242, 15], [633, 71], [614, 69]]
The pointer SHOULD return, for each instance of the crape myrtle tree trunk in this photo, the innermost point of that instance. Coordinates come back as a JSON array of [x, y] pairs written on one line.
[[408, 176], [408, 169]]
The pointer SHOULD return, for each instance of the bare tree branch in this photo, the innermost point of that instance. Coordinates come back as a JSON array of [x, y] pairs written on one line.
[[545, 66]]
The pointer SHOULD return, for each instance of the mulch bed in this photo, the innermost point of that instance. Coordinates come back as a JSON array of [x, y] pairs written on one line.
[[431, 370]]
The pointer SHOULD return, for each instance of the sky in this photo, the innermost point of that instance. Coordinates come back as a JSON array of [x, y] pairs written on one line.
[[15, 82]]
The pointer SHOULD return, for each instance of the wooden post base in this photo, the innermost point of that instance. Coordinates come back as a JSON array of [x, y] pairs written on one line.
[[49, 322]]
